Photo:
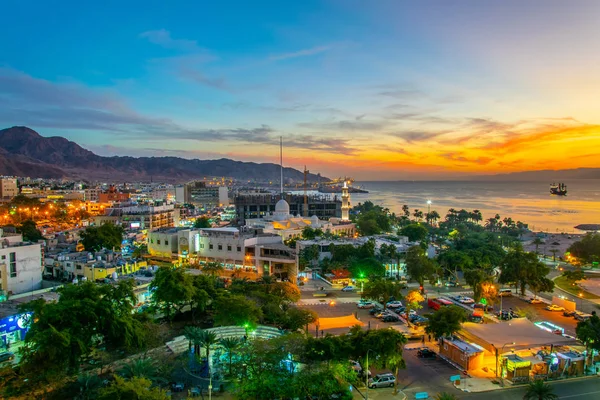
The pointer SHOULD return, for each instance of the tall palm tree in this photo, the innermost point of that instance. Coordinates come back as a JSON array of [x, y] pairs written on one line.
[[192, 334], [230, 345], [446, 396], [539, 390], [537, 241], [207, 339]]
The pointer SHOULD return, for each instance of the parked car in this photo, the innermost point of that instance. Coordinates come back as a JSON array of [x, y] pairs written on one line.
[[478, 319], [554, 307], [356, 366], [375, 310], [349, 288], [568, 313], [507, 314], [466, 300], [483, 307], [382, 380], [391, 318], [399, 310], [366, 304], [394, 304], [582, 316], [505, 292], [426, 353], [534, 300], [7, 356]]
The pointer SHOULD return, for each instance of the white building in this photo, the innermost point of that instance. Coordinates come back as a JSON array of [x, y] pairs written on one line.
[[282, 223], [345, 203], [8, 188], [251, 251], [20, 265]]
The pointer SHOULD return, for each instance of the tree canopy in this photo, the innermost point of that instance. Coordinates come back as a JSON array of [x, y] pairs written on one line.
[[524, 269], [107, 236], [29, 231], [588, 248], [414, 232], [202, 222], [446, 321]]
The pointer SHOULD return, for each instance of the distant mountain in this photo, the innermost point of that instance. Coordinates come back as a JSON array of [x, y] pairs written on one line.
[[24, 152], [561, 175]]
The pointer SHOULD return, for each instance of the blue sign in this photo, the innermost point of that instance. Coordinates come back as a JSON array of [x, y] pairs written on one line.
[[454, 378], [421, 395], [15, 323]]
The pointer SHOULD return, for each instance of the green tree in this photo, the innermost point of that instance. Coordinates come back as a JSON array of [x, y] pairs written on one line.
[[308, 256], [539, 390], [107, 236], [309, 233], [446, 321], [413, 301], [172, 289], [143, 367], [298, 318], [589, 333], [382, 290], [419, 266], [537, 241], [213, 268], [574, 276], [588, 248], [29, 231], [476, 277], [366, 267], [133, 389], [202, 223], [522, 269], [236, 310], [414, 232], [207, 339], [230, 345]]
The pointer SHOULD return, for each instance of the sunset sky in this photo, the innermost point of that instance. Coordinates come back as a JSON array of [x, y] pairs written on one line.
[[377, 90]]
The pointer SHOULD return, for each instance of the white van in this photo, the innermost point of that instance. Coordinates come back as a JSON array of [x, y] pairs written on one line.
[[505, 292]]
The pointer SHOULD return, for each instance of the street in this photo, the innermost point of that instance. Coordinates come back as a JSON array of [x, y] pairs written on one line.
[[580, 389]]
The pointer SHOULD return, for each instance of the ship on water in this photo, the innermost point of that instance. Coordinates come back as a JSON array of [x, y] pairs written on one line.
[[559, 190]]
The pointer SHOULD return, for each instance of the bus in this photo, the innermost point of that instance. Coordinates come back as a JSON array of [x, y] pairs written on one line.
[[436, 304]]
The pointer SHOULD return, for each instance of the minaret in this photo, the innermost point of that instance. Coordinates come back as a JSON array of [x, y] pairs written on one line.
[[345, 203]]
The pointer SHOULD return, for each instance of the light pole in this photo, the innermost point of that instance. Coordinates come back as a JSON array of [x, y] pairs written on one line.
[[580, 295], [367, 375]]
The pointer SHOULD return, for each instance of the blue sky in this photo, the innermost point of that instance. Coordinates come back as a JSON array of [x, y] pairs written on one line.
[[382, 89]]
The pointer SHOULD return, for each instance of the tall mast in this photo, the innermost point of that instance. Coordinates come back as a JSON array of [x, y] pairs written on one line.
[[305, 213], [281, 162]]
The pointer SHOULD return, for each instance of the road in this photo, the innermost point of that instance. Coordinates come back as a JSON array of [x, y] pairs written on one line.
[[580, 389]]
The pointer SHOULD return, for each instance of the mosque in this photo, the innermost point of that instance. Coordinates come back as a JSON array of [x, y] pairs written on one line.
[[288, 226]]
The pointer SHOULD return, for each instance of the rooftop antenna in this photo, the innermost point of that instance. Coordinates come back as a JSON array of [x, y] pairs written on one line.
[[281, 162]]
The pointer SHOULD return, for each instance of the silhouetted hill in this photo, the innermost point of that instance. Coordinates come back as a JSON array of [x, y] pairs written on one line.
[[24, 152]]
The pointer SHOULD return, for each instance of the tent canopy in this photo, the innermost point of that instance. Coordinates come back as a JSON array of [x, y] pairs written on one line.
[[338, 322]]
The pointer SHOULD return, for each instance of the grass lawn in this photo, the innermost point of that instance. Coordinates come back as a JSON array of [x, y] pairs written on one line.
[[565, 285]]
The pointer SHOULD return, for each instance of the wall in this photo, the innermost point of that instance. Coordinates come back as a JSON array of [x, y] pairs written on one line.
[[29, 268]]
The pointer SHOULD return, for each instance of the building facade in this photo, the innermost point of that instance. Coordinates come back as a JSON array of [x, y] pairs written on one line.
[[247, 250], [20, 265], [134, 216], [8, 188], [259, 205], [202, 195]]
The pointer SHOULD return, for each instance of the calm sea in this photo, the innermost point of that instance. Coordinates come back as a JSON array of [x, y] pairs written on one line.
[[529, 202]]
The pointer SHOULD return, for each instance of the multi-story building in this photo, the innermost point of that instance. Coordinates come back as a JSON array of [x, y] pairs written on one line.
[[259, 205], [20, 265], [88, 266], [248, 250], [112, 195], [8, 188], [92, 194], [134, 216], [202, 195]]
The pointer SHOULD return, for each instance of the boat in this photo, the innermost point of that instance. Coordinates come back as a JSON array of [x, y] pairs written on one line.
[[559, 190]]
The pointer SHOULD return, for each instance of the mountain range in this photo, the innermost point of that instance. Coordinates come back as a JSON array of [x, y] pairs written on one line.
[[24, 152]]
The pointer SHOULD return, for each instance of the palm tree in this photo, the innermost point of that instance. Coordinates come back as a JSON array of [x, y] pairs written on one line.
[[192, 334], [539, 390], [554, 251], [418, 214], [88, 386], [445, 396], [230, 345], [537, 241], [142, 367], [213, 268], [406, 210], [207, 339], [491, 223]]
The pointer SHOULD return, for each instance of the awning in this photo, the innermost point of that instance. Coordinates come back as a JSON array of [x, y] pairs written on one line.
[[338, 322]]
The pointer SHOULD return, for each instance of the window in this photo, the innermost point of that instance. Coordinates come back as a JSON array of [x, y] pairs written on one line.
[[239, 249], [210, 246], [166, 242], [220, 247], [79, 267], [13, 265], [157, 241], [4, 257], [228, 248], [201, 245]]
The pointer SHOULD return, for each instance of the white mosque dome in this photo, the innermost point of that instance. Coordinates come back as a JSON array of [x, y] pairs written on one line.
[[314, 221], [282, 210]]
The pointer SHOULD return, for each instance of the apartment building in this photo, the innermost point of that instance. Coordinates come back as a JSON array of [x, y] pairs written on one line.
[[139, 216], [249, 250], [8, 188], [202, 195], [20, 265]]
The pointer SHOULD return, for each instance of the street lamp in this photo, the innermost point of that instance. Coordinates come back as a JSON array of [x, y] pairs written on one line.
[[580, 300]]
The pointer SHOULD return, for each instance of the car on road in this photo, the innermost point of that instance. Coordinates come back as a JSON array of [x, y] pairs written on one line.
[[451, 284], [483, 307], [534, 300], [505, 292], [7, 356], [568, 313], [477, 319], [394, 304], [390, 318], [465, 300], [349, 288], [366, 304], [554, 307], [426, 353], [382, 380]]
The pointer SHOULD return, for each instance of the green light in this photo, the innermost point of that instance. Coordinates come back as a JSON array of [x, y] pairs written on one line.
[[483, 301]]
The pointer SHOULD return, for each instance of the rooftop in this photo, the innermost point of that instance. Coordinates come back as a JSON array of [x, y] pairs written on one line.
[[464, 346]]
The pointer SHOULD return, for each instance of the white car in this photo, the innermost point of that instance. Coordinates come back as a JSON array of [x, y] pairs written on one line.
[[535, 301], [394, 304], [349, 288], [466, 300], [554, 307], [366, 304]]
